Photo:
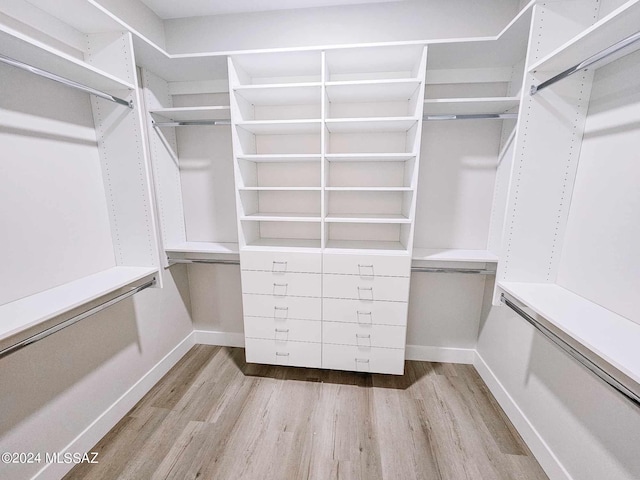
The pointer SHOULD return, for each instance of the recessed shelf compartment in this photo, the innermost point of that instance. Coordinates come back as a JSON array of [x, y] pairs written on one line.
[[281, 158], [303, 232], [279, 175], [186, 114], [369, 157], [280, 217], [608, 337], [275, 68], [281, 127], [281, 94], [616, 26], [366, 234], [370, 125], [371, 246], [272, 204], [367, 218], [471, 106], [35, 313], [21, 47], [363, 63], [364, 91]]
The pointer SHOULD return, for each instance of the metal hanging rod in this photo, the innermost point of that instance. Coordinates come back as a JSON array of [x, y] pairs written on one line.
[[472, 116], [190, 123], [64, 81], [75, 319], [592, 61], [586, 362]]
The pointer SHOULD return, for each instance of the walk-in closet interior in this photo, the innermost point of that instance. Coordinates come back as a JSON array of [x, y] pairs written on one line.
[[394, 239]]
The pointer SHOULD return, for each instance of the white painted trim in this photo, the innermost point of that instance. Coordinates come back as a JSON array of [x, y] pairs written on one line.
[[91, 435], [222, 339], [440, 354], [541, 451]]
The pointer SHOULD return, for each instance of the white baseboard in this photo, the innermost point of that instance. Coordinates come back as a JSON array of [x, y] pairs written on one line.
[[548, 461], [440, 354], [223, 339], [110, 417]]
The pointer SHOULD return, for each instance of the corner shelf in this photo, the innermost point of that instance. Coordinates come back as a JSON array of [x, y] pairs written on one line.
[[185, 114], [612, 338], [30, 315], [616, 26], [20, 47], [470, 106]]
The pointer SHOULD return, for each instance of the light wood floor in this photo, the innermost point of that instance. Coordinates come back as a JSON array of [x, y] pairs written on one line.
[[215, 417]]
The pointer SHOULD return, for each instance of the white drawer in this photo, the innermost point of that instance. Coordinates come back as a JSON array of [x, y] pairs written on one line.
[[366, 288], [281, 262], [283, 330], [362, 335], [365, 312], [306, 308], [360, 359], [367, 265], [295, 354], [282, 284]]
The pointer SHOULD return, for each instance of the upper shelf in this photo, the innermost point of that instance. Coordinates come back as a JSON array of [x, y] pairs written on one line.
[[471, 106], [611, 337], [369, 157], [35, 313], [281, 94], [370, 125], [280, 158], [281, 127], [372, 90], [23, 48], [185, 114], [616, 26]]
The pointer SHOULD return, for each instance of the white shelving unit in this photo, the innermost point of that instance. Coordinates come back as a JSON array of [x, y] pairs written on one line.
[[186, 114]]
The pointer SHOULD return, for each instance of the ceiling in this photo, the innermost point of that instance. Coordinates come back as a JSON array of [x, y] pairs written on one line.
[[194, 8]]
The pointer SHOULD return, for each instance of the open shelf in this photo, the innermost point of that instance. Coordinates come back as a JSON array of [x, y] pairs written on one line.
[[27, 316], [612, 338], [284, 244], [281, 127], [392, 90], [281, 217], [616, 26], [185, 114], [20, 47], [281, 94], [369, 157], [369, 189], [370, 125], [453, 255], [203, 251], [279, 158], [279, 189], [470, 106], [367, 218], [372, 246]]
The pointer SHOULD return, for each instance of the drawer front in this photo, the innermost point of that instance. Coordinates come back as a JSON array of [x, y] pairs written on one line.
[[366, 288], [282, 284], [267, 261], [360, 335], [361, 359], [367, 265], [304, 308], [283, 330], [272, 352], [364, 312]]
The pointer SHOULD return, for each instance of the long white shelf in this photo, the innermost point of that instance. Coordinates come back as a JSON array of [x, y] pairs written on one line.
[[616, 26], [281, 127], [453, 255], [281, 94], [470, 106], [368, 189], [20, 47], [285, 244], [369, 157], [366, 218], [281, 217], [28, 313], [611, 337], [370, 125], [203, 251], [280, 158], [185, 114], [279, 189], [371, 246], [372, 90]]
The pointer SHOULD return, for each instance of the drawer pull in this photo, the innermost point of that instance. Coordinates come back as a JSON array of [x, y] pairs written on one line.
[[283, 315], [359, 314], [363, 335], [362, 360], [282, 267], [282, 354], [280, 286], [282, 330], [365, 267], [369, 296]]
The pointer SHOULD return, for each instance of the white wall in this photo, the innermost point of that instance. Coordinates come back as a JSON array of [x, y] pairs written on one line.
[[591, 430], [382, 22]]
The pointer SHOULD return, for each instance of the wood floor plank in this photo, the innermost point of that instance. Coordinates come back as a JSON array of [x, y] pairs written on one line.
[[214, 417]]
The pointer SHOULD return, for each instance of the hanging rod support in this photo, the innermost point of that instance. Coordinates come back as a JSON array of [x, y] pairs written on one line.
[[586, 362], [190, 123], [64, 81], [75, 319], [472, 116], [592, 61]]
